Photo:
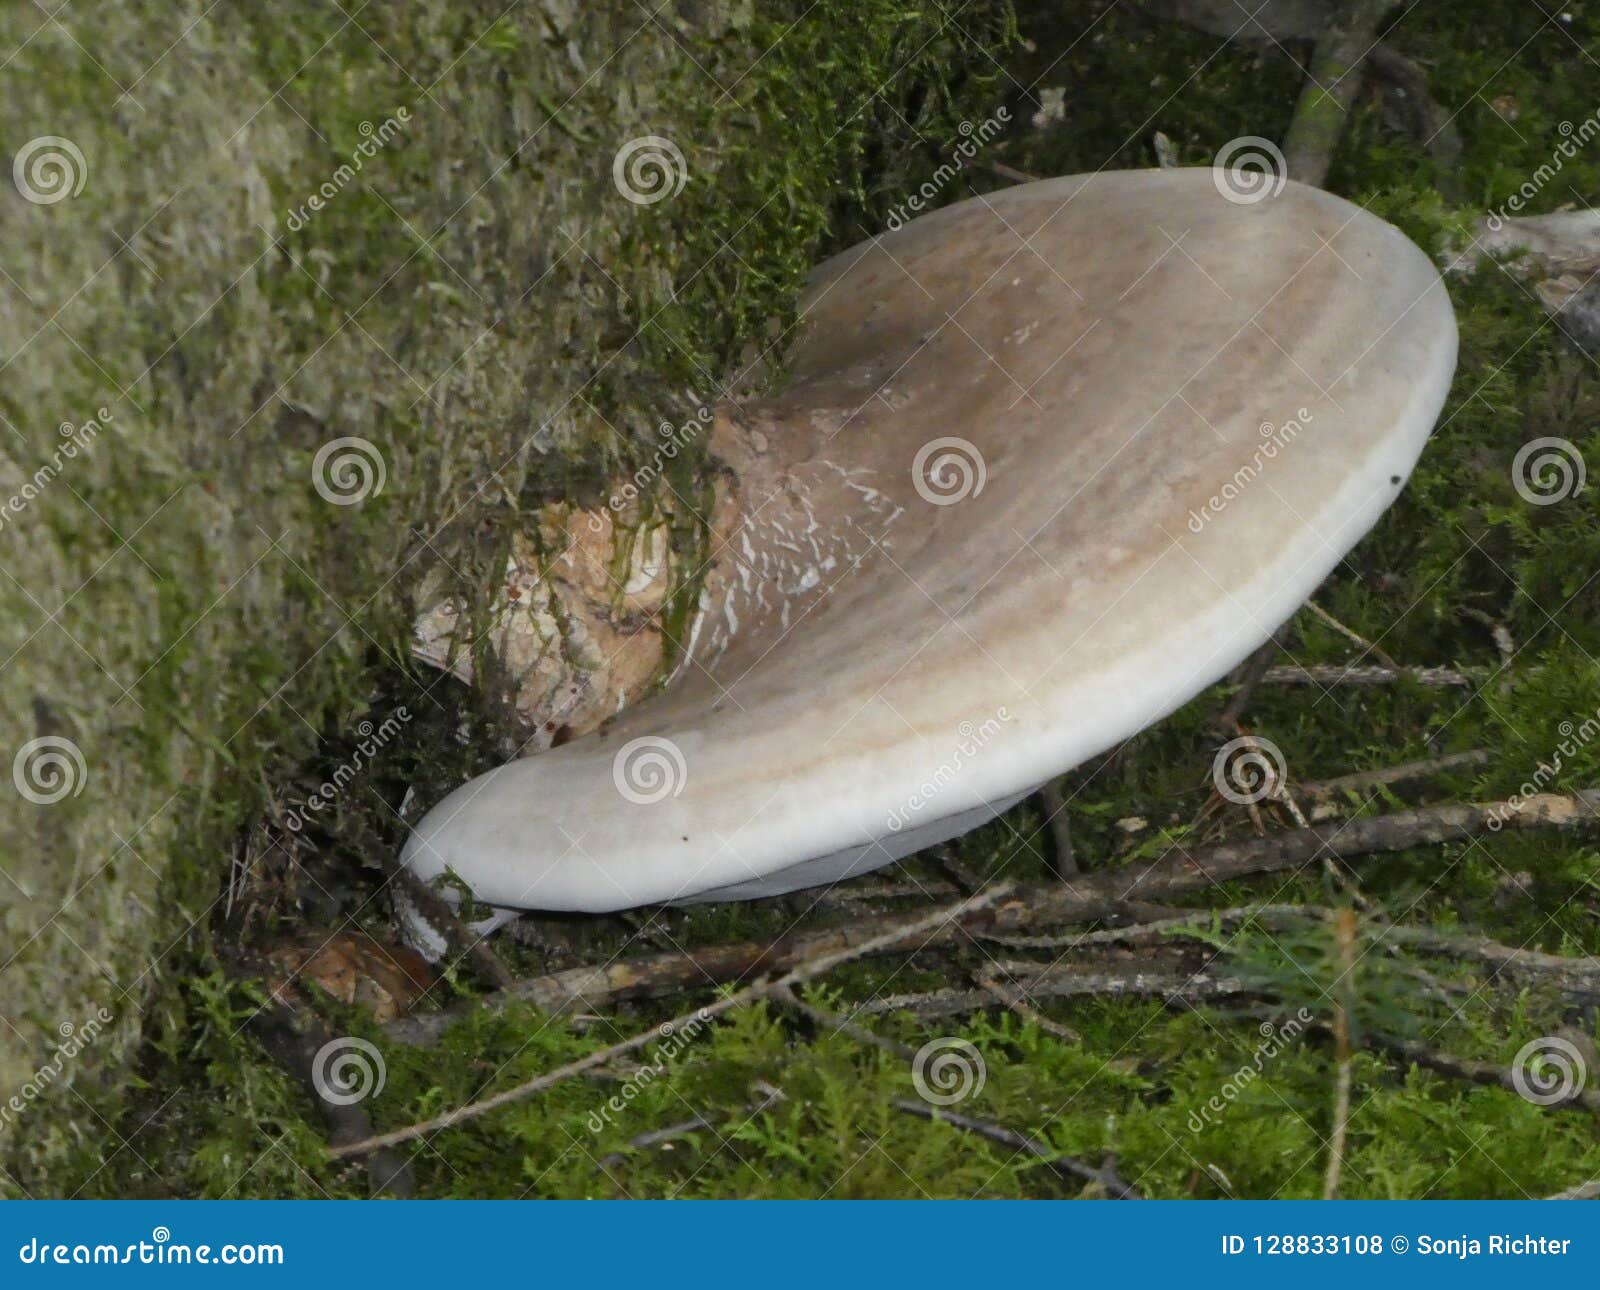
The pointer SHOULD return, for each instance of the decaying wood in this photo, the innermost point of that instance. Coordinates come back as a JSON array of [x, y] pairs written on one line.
[[1273, 25], [1081, 899], [1555, 243], [1419, 115]]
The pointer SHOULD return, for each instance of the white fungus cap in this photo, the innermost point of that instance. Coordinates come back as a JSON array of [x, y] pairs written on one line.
[[1051, 462]]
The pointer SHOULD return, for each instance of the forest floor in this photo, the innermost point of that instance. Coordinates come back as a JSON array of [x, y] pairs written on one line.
[[1348, 1056]]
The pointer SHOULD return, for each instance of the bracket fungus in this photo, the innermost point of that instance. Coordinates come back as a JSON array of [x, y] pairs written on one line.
[[1051, 462]]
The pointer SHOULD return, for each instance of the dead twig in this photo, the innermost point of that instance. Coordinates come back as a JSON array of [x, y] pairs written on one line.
[[1074, 982], [1064, 858], [654, 1138], [1504, 643], [1335, 674], [1355, 638], [1389, 776], [787, 998], [1576, 977], [805, 971], [1065, 1166], [1476, 1072], [1344, 924], [296, 1040], [1247, 676], [441, 916], [1011, 172], [1016, 1000], [1081, 899]]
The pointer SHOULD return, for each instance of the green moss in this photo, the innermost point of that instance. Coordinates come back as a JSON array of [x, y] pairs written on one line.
[[650, 316], [402, 228]]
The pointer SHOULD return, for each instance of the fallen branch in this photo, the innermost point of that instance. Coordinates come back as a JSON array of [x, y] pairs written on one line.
[[805, 971], [1273, 25], [1082, 899]]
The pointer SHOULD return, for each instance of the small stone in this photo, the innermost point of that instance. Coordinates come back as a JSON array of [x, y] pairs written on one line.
[[1052, 107]]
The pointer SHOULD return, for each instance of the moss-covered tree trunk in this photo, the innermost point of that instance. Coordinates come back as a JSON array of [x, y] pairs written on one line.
[[296, 304]]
